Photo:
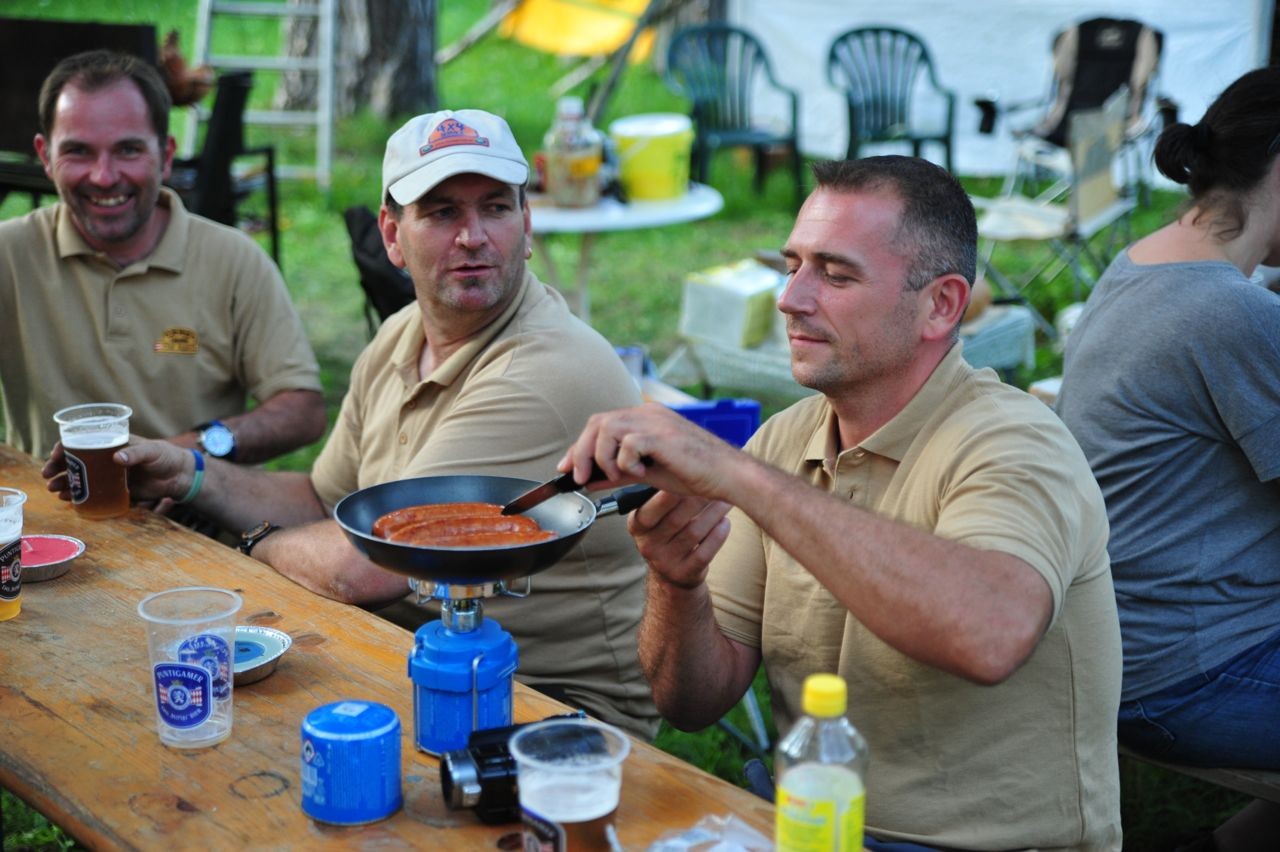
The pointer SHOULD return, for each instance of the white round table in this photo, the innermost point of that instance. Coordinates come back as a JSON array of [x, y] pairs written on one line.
[[611, 215]]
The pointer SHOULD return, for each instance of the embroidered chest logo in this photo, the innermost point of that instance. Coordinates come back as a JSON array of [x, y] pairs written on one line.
[[452, 132], [178, 341]]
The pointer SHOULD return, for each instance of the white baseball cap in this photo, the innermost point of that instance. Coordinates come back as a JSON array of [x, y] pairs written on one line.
[[434, 147]]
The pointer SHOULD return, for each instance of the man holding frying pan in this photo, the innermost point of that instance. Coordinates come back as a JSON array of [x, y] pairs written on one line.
[[932, 535], [486, 373]]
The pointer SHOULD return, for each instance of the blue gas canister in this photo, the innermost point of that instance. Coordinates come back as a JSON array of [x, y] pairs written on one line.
[[351, 763], [461, 682]]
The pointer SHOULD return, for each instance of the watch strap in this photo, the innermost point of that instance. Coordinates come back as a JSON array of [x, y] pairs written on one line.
[[250, 538], [228, 453]]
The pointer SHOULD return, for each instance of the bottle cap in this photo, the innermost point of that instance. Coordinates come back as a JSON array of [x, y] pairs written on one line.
[[570, 106], [824, 695]]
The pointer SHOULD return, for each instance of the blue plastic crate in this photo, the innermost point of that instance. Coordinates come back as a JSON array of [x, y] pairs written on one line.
[[734, 420]]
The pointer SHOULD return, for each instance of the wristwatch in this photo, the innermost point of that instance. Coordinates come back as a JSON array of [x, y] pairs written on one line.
[[217, 440], [250, 538]]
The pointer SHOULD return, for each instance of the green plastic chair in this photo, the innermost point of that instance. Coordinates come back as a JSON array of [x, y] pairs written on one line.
[[887, 75], [722, 69]]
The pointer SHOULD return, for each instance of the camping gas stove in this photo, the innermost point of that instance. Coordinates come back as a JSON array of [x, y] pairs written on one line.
[[461, 666]]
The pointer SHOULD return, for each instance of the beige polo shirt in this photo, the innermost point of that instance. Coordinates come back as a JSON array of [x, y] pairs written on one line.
[[183, 336], [1028, 763], [509, 403]]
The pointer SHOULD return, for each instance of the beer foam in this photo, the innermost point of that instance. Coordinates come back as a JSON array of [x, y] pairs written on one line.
[[96, 440], [564, 798]]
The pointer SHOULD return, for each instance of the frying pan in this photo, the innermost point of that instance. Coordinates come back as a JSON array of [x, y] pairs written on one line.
[[568, 515]]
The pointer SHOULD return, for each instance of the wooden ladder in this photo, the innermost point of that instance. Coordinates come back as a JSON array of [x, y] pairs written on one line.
[[320, 63]]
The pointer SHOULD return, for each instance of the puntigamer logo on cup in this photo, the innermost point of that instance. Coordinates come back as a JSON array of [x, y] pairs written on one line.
[[214, 656], [184, 694]]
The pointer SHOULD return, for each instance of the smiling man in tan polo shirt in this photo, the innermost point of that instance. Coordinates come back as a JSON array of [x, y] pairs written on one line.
[[118, 294]]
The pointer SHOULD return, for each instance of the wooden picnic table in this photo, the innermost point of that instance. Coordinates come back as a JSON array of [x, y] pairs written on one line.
[[80, 743]]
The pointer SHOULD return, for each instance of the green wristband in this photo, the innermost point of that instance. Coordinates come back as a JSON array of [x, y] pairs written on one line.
[[197, 480]]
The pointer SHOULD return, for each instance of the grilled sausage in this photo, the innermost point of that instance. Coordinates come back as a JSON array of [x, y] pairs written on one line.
[[459, 525], [386, 525]]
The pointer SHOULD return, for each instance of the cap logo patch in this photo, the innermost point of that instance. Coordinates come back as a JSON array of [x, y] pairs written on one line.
[[451, 132]]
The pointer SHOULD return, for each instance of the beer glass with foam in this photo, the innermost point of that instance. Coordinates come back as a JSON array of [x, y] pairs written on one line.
[[569, 774], [91, 434], [11, 500]]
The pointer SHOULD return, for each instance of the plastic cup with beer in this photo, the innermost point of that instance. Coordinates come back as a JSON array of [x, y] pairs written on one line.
[[11, 500], [191, 639], [569, 774], [91, 434]]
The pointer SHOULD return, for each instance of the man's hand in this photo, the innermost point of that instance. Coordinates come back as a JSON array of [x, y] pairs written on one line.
[[157, 470], [677, 536], [655, 445]]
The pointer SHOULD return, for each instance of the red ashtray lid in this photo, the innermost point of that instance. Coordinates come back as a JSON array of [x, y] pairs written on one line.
[[42, 550]]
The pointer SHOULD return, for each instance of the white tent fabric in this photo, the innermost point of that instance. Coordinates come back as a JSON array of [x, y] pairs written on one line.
[[999, 47]]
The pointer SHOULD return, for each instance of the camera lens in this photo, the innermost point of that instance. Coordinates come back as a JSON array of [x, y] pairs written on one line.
[[459, 779]]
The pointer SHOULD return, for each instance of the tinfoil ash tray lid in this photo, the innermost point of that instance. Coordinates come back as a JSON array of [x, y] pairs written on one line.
[[258, 652], [47, 556]]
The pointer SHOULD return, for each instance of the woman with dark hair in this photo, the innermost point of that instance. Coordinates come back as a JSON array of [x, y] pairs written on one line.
[[1172, 387]]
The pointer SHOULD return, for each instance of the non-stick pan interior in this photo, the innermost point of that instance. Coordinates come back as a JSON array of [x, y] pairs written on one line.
[[568, 515]]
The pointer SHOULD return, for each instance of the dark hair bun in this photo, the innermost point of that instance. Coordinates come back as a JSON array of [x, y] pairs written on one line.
[[1176, 152]]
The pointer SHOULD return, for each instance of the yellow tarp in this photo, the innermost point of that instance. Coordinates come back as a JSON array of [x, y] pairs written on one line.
[[578, 27]]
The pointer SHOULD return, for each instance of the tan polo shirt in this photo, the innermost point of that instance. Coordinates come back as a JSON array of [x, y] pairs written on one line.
[[183, 336], [1028, 763], [509, 403]]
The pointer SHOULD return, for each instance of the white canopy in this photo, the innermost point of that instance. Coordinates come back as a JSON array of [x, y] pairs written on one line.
[[1000, 47]]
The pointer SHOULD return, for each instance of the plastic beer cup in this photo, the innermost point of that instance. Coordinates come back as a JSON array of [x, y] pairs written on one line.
[[191, 639], [11, 500], [91, 434], [569, 774]]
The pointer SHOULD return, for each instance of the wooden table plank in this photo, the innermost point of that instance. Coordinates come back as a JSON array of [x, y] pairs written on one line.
[[80, 743]]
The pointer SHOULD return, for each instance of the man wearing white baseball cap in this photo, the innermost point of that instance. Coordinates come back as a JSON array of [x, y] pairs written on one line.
[[487, 372]]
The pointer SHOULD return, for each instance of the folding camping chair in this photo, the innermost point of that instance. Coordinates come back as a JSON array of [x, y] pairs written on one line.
[[1094, 205], [1091, 61], [387, 288], [208, 183]]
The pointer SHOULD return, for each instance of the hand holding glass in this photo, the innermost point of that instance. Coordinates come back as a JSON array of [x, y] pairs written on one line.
[[91, 434]]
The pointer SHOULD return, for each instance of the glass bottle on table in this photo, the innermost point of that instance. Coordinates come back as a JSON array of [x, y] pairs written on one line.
[[574, 152], [820, 766]]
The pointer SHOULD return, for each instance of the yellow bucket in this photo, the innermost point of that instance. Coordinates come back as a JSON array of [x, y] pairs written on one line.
[[653, 154]]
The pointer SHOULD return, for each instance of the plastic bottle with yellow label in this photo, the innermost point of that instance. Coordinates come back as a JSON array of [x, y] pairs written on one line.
[[820, 765]]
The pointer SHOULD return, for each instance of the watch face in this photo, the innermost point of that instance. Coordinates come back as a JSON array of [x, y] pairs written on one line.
[[217, 440]]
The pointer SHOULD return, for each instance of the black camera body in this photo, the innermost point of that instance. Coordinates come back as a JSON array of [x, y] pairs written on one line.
[[482, 776]]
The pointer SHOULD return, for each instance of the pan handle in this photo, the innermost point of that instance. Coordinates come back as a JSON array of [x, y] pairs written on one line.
[[624, 500]]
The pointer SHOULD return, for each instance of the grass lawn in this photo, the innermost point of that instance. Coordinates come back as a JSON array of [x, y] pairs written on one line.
[[635, 293]]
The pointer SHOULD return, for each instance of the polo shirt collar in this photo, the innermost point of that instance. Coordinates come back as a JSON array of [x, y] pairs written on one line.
[[170, 253], [410, 346], [894, 438]]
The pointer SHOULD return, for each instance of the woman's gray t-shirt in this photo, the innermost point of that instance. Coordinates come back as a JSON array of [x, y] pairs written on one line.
[[1172, 387]]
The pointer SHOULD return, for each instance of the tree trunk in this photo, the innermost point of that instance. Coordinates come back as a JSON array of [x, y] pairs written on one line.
[[384, 59]]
